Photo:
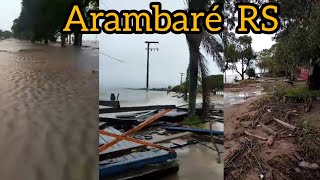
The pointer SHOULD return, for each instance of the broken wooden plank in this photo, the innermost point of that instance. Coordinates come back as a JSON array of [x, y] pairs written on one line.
[[114, 104], [195, 130], [131, 115], [128, 149], [127, 138], [136, 108], [287, 125], [217, 117], [135, 129], [268, 129], [256, 136]]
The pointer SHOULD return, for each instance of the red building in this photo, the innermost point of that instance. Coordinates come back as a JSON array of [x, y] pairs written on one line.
[[304, 73]]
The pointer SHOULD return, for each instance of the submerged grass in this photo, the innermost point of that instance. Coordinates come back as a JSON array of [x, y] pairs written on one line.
[[194, 122]]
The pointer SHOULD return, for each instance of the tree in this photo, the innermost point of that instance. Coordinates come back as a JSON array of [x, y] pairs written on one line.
[[239, 51], [41, 20], [267, 60], [196, 59], [251, 72], [299, 38]]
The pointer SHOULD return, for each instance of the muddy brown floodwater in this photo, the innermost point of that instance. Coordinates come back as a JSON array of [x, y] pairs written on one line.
[[48, 112], [198, 162]]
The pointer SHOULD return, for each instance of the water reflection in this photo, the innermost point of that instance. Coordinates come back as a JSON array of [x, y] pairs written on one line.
[[231, 98]]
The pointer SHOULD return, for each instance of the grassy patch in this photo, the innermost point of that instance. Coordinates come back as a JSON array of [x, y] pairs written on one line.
[[298, 93], [306, 127], [194, 122]]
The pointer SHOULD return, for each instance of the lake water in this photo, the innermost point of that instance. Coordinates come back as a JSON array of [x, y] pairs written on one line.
[[129, 97], [231, 78], [49, 112]]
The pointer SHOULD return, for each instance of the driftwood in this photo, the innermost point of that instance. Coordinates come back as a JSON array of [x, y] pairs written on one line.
[[256, 136], [285, 124], [270, 140], [268, 129], [290, 114], [307, 165], [261, 112]]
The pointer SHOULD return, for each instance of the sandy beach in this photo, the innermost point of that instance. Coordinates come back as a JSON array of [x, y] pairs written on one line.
[[49, 112]]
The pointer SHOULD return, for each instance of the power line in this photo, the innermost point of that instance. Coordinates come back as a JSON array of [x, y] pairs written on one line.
[[104, 5], [112, 57]]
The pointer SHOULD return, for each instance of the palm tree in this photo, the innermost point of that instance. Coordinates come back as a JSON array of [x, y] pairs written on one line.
[[197, 60]]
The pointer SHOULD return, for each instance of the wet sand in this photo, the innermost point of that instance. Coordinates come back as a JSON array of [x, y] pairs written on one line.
[[49, 112]]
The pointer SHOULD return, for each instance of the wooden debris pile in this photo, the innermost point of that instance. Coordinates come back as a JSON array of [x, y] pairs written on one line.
[[272, 121]]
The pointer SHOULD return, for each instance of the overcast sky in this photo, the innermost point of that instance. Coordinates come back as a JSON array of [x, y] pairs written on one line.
[[9, 10], [165, 65]]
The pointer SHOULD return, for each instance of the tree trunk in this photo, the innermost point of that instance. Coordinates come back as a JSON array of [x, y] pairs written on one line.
[[63, 40], [205, 94], [314, 74], [76, 39], [194, 41], [242, 70], [80, 39], [225, 76], [46, 41], [193, 81]]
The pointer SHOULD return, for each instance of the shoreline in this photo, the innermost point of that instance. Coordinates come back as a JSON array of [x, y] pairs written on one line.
[[281, 158]]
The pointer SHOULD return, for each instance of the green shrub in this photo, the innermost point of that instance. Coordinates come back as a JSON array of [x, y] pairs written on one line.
[[251, 72], [299, 93]]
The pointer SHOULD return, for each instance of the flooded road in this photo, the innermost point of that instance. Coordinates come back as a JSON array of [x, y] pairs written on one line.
[[198, 162], [232, 98], [49, 112]]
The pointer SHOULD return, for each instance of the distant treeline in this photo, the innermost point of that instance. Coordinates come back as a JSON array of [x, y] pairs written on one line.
[[214, 82], [5, 34], [41, 20]]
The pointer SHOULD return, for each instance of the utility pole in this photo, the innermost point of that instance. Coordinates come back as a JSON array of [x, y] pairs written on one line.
[[181, 78], [148, 54]]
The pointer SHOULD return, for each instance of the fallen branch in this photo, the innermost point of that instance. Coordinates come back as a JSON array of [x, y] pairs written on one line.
[[307, 165], [285, 124], [261, 112], [256, 136], [268, 129]]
